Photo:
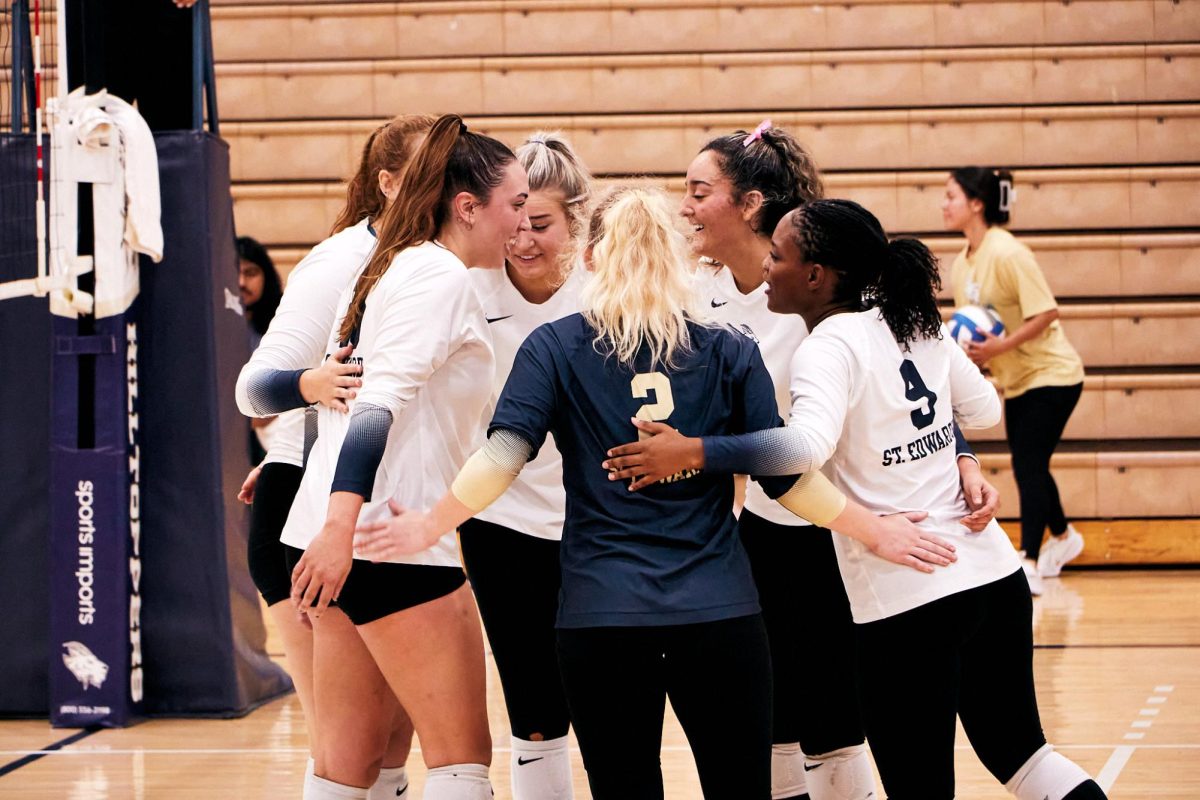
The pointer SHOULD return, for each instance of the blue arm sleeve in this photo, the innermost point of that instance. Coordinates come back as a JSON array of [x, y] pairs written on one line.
[[757, 412], [961, 446], [362, 450], [273, 391], [779, 451]]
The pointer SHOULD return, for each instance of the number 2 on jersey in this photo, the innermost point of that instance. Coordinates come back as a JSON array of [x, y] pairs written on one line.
[[916, 390], [664, 402]]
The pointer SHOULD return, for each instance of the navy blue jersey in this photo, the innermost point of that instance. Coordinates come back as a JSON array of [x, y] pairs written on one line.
[[669, 554]]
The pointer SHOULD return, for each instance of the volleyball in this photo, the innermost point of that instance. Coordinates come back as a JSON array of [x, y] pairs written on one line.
[[970, 323]]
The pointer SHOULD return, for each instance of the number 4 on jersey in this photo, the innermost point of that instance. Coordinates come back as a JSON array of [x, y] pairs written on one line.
[[916, 390]]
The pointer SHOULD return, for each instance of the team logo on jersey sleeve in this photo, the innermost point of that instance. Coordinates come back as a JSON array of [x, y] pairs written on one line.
[[84, 665]]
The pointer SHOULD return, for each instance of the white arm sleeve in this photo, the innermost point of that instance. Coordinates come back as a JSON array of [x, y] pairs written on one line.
[[491, 470]]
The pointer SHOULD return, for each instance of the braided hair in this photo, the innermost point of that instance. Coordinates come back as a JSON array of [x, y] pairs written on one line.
[[899, 277]]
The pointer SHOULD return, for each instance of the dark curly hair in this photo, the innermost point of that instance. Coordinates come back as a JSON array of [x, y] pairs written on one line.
[[899, 277], [775, 164]]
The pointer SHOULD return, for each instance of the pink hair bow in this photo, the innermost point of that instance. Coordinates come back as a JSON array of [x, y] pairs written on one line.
[[762, 128]]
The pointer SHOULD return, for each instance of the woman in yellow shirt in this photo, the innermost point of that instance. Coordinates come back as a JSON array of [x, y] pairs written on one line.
[[1034, 365]]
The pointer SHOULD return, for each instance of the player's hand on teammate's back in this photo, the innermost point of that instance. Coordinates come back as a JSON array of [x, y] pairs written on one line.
[[321, 572], [982, 498], [899, 540], [332, 383], [246, 495], [663, 453], [406, 533]]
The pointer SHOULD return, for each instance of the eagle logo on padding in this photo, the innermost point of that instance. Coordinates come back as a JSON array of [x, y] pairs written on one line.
[[87, 669]]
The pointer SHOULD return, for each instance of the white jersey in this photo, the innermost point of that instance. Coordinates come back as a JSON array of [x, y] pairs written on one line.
[[881, 420], [283, 438], [426, 356], [299, 332], [778, 336], [101, 140], [536, 502]]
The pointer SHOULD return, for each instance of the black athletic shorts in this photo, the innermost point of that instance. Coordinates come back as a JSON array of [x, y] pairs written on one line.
[[273, 495], [373, 591]]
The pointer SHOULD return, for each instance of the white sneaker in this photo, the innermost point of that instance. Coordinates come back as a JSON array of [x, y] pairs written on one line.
[[1031, 575], [1059, 551]]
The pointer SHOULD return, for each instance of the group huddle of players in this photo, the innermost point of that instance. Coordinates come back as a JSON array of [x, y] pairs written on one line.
[[473, 300]]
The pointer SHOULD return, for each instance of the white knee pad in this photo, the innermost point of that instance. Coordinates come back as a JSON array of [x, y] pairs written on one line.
[[458, 782], [841, 774], [321, 789], [391, 783], [1047, 775], [541, 770], [787, 771]]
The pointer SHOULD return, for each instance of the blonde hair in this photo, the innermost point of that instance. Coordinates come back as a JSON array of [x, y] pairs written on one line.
[[641, 291], [552, 165]]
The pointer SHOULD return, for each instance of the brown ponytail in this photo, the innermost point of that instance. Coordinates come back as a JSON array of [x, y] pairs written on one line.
[[773, 162], [389, 147], [450, 160]]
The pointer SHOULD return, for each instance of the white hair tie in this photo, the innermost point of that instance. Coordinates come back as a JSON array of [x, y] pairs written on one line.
[[1008, 195]]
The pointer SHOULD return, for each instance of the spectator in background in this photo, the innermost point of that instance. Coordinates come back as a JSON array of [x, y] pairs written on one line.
[[258, 285], [260, 290], [1035, 366]]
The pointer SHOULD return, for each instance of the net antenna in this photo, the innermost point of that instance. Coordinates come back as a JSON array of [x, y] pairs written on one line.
[[27, 22]]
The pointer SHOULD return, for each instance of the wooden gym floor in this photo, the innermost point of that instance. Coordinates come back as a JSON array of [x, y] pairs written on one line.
[[1118, 671]]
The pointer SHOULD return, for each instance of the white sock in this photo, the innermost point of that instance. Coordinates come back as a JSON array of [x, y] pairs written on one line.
[[787, 771], [310, 767], [1047, 775], [458, 782], [320, 789], [541, 770], [841, 774], [391, 783]]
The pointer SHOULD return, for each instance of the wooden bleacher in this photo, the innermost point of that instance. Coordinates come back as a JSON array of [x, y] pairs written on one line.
[[1095, 104]]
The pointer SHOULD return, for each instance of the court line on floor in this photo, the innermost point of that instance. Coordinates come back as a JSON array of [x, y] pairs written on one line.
[[1121, 755], [1119, 646], [51, 749], [670, 748]]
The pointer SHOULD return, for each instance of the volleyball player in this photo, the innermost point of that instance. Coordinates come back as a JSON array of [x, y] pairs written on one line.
[[296, 341], [510, 550], [422, 342], [738, 187], [876, 388], [1038, 370], [657, 595]]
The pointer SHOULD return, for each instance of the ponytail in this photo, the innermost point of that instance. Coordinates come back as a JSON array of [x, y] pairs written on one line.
[[772, 162], [641, 291], [906, 292], [389, 148], [992, 187], [449, 161], [899, 277]]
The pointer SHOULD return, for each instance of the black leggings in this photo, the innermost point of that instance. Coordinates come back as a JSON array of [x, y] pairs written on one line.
[[516, 579], [1035, 422], [273, 495], [969, 654], [811, 630], [718, 677]]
